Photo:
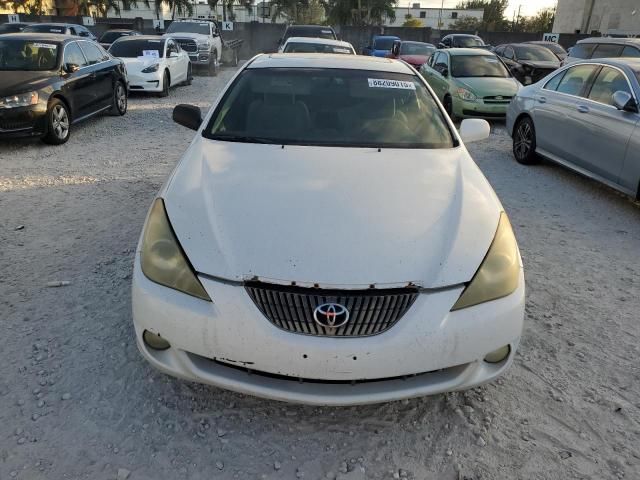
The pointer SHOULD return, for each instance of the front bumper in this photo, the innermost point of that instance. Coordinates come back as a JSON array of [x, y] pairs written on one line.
[[145, 82], [479, 109], [201, 58], [229, 344], [23, 121]]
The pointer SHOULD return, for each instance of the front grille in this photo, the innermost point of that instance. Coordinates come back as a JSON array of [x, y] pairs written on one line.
[[496, 100], [370, 311], [188, 45], [473, 113]]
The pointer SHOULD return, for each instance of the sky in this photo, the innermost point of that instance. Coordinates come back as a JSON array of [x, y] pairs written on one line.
[[529, 7]]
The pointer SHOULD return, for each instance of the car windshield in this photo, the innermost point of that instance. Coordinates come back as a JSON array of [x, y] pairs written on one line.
[[468, 42], [137, 48], [477, 66], [534, 53], [305, 47], [311, 32], [189, 27], [30, 55], [46, 29], [329, 107], [110, 37], [555, 48], [383, 43], [410, 48], [11, 27]]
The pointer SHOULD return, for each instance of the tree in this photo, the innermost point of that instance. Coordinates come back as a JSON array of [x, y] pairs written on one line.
[[359, 12], [412, 22], [542, 22], [467, 24], [494, 19], [30, 7]]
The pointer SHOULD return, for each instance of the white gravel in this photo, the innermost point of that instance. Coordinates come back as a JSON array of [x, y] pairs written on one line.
[[78, 402]]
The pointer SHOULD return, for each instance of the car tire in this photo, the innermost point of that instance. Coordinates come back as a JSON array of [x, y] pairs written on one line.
[[165, 85], [58, 123], [119, 102], [524, 142], [189, 79], [213, 65], [448, 107]]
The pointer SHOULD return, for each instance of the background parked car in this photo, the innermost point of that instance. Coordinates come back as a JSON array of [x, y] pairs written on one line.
[[461, 40], [317, 45], [201, 40], [49, 82], [604, 47], [585, 117], [528, 63], [470, 82], [556, 48], [415, 54], [60, 28], [311, 31], [13, 27], [111, 36], [154, 64], [380, 45]]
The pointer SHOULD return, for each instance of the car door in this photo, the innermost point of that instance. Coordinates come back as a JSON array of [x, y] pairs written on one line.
[[78, 84], [101, 74], [183, 61], [439, 75], [173, 62], [605, 130], [555, 104]]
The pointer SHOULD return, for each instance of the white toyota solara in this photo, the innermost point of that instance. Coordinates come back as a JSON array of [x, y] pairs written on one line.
[[327, 239]]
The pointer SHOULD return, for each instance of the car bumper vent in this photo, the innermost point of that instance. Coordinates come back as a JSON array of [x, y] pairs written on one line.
[[292, 309]]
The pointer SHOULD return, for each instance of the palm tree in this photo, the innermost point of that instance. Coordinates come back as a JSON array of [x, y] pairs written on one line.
[[359, 12]]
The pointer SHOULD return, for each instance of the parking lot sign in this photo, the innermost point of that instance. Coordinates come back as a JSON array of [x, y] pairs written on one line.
[[228, 26], [88, 21], [14, 18], [551, 37], [158, 24]]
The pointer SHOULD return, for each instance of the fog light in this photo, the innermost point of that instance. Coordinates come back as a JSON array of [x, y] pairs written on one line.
[[498, 355], [154, 341]]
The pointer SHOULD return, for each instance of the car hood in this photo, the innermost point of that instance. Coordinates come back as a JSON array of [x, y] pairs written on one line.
[[546, 65], [490, 86], [331, 216], [415, 59], [134, 65], [24, 81]]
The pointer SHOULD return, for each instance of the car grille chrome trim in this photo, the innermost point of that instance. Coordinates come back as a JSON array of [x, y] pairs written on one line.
[[187, 44], [291, 308], [502, 100]]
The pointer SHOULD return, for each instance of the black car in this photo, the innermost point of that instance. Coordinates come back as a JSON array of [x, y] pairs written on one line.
[[556, 48], [461, 40], [528, 63], [13, 27], [61, 29], [111, 36], [50, 82], [312, 31]]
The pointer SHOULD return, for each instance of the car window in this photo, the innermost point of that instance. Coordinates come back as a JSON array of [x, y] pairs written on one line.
[[575, 79], [330, 107], [92, 53], [607, 50], [20, 55], [555, 48], [630, 52], [43, 28], [534, 53], [508, 53], [305, 47], [554, 82], [499, 51], [441, 62], [477, 66], [383, 43], [609, 81], [582, 50], [132, 48], [468, 42], [73, 55], [203, 28], [411, 48], [434, 59]]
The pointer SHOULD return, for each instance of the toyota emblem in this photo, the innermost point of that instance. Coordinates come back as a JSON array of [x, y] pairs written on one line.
[[331, 315]]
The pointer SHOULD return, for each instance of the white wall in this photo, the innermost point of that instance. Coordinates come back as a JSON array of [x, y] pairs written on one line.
[[433, 15], [607, 16]]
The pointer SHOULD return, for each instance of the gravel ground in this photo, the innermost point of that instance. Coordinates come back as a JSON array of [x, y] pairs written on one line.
[[77, 400]]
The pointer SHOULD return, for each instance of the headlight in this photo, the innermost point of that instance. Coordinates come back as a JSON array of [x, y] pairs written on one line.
[[151, 68], [204, 46], [162, 259], [465, 94], [499, 272], [21, 100]]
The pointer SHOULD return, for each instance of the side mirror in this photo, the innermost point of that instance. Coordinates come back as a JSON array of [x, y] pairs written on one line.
[[624, 101], [70, 67], [173, 55], [474, 129], [445, 72], [188, 116], [441, 45]]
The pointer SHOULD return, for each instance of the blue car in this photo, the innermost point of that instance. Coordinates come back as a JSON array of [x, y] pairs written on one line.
[[380, 45]]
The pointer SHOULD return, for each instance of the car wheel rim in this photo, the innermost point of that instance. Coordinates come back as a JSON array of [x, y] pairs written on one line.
[[121, 98], [523, 140], [60, 122]]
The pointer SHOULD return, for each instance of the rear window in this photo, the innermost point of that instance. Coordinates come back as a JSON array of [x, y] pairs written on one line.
[[467, 42], [110, 37], [607, 50], [46, 29], [329, 107], [582, 50], [21, 55], [383, 43], [410, 48], [137, 48], [534, 53], [555, 48], [631, 52], [305, 47], [320, 32]]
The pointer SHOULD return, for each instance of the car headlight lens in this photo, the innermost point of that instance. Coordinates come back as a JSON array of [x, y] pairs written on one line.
[[465, 94], [499, 272], [162, 259], [151, 68], [204, 46], [20, 100]]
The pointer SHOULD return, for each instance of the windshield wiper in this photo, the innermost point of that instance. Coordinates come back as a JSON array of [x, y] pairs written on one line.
[[245, 139]]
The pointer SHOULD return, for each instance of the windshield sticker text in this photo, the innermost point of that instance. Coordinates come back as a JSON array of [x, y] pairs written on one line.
[[44, 45], [383, 83]]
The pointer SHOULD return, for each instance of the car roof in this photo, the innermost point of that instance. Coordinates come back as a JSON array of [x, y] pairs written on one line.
[[143, 37], [419, 43], [462, 35], [311, 27], [322, 41], [119, 30], [50, 37], [54, 24], [327, 60], [622, 41], [386, 36], [468, 51]]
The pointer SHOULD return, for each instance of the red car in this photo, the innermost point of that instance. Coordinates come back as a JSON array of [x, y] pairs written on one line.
[[415, 54]]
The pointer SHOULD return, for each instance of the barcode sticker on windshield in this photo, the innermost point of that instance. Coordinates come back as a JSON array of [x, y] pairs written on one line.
[[341, 50], [384, 83], [44, 45]]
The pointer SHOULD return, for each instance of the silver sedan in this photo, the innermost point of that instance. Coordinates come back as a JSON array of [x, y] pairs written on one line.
[[585, 116]]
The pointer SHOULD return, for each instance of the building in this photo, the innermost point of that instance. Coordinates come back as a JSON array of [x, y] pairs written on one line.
[[606, 17], [436, 18]]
